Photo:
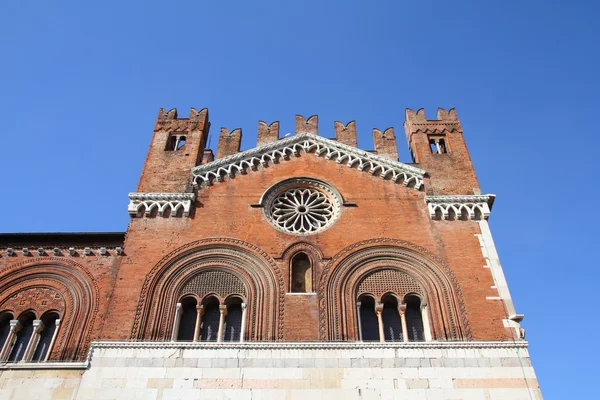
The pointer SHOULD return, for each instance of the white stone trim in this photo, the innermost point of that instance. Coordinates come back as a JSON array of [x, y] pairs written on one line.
[[284, 149], [309, 345], [488, 249], [45, 365], [474, 207], [160, 201]]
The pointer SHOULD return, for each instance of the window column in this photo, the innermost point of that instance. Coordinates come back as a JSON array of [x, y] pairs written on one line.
[[199, 314], [38, 326], [360, 334], [425, 317], [378, 311], [243, 324], [15, 326], [223, 311], [176, 322], [402, 311]]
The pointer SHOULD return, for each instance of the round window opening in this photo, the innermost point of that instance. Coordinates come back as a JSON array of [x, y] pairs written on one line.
[[302, 207]]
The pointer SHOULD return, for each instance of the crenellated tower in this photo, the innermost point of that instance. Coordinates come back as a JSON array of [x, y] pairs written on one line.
[[438, 146]]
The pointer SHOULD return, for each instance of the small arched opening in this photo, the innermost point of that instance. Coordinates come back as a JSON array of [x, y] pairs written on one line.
[[50, 322], [5, 319], [210, 320], [392, 325], [369, 327], [25, 329], [233, 320], [301, 274], [187, 324], [414, 319]]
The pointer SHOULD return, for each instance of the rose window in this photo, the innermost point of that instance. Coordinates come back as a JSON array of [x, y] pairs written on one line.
[[302, 207]]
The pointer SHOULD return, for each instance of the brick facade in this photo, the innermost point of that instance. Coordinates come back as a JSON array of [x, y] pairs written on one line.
[[124, 287]]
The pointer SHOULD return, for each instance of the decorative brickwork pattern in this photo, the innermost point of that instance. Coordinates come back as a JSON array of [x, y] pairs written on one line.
[[213, 282], [38, 299], [383, 281], [342, 275]]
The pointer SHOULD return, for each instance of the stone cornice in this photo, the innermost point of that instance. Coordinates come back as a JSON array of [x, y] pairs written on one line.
[[309, 345], [146, 203], [284, 149], [45, 365], [460, 207]]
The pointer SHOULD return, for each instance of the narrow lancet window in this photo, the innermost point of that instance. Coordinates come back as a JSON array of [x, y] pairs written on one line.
[[23, 337], [233, 320], [392, 326], [210, 320], [301, 281], [187, 323], [414, 319], [47, 334], [368, 319]]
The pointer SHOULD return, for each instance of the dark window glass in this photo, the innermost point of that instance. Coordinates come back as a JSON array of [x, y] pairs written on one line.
[[23, 336], [368, 320], [414, 320], [210, 321], [301, 274], [46, 335], [392, 326], [187, 323], [4, 327], [233, 323]]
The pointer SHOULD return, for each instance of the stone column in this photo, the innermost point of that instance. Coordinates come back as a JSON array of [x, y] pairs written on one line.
[[199, 314], [176, 322], [223, 311], [53, 340], [243, 324], [378, 311], [425, 318], [402, 312], [38, 326], [358, 303], [15, 326]]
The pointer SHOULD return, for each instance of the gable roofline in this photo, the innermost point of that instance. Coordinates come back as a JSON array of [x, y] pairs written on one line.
[[284, 149]]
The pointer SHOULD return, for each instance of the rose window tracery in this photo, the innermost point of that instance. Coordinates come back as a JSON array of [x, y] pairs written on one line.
[[302, 207]]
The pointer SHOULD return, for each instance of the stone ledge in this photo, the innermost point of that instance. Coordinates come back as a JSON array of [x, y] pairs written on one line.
[[45, 365]]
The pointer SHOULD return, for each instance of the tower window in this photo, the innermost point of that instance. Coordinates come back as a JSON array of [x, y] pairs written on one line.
[[437, 144], [175, 142], [301, 275]]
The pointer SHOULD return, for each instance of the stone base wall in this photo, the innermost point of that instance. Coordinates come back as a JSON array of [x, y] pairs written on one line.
[[253, 371]]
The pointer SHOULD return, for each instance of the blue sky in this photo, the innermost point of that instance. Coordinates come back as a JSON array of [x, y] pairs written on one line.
[[81, 85]]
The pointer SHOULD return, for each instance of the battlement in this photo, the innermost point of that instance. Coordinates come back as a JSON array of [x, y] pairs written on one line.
[[447, 121], [167, 120]]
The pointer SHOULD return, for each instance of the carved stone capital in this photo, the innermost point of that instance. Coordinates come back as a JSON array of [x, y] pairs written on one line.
[[166, 204]]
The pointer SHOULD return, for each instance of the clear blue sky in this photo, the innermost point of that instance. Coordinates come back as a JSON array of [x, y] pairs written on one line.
[[81, 85]]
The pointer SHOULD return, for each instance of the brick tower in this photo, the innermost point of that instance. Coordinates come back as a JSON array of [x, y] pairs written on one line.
[[301, 267]]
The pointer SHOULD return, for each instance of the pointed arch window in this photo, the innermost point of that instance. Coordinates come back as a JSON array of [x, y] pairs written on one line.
[[301, 274]]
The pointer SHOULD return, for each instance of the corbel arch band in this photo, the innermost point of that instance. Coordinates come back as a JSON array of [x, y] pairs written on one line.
[[342, 276], [77, 305], [257, 272]]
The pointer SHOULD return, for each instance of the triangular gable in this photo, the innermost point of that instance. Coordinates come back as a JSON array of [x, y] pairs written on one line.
[[284, 149]]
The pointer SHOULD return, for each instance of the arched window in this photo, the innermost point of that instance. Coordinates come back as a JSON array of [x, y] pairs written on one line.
[[47, 334], [5, 319], [233, 320], [301, 275], [414, 319], [23, 336], [369, 327], [187, 323], [210, 320], [392, 325]]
